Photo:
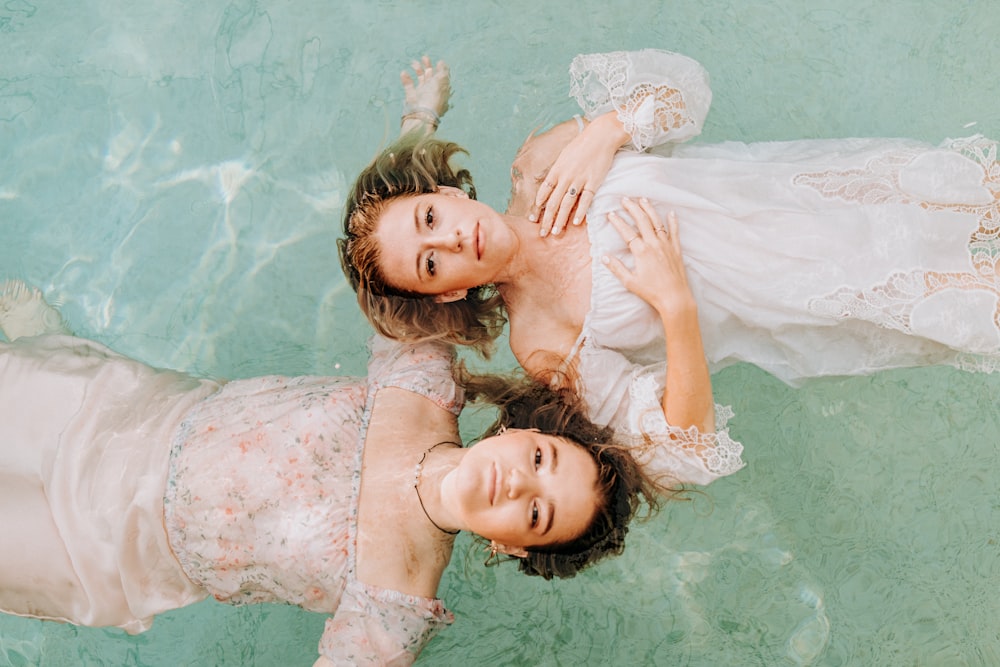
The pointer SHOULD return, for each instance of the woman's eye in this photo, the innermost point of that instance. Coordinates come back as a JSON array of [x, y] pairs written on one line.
[[431, 265], [538, 459], [429, 217], [534, 515]]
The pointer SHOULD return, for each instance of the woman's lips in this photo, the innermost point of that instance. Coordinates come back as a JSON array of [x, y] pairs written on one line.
[[480, 241]]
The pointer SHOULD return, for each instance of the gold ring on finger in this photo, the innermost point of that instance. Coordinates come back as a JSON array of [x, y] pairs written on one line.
[[662, 229], [634, 238]]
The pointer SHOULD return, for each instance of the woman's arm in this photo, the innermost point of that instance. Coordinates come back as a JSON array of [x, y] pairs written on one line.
[[643, 98], [426, 95], [665, 410], [659, 279]]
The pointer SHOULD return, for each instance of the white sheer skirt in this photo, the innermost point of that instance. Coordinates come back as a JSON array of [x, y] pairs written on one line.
[[85, 440]]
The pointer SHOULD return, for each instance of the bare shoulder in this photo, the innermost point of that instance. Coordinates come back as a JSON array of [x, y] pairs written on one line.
[[532, 163]]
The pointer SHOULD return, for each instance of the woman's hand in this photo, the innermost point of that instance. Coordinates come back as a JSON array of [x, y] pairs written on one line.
[[659, 277], [568, 188], [426, 93]]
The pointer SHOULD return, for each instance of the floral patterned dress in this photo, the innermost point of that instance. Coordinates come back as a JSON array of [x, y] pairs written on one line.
[[806, 258], [261, 504], [256, 481]]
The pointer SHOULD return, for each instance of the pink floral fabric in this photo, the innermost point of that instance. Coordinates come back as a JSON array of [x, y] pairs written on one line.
[[261, 502]]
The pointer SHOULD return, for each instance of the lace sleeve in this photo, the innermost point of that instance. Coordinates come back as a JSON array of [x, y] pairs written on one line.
[[659, 96], [380, 627], [627, 397], [423, 368], [664, 450]]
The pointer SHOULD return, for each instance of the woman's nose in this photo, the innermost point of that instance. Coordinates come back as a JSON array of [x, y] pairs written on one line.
[[517, 484], [449, 239]]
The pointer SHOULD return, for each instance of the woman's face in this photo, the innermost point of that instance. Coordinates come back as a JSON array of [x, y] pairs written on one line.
[[442, 243], [524, 488]]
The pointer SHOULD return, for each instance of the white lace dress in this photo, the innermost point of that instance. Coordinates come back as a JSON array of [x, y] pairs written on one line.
[[806, 258]]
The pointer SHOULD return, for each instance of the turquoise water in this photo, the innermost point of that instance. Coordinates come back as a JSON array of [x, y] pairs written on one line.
[[173, 174]]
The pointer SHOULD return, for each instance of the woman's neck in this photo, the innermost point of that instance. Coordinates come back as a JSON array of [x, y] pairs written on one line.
[[548, 265], [434, 486], [518, 266], [531, 262]]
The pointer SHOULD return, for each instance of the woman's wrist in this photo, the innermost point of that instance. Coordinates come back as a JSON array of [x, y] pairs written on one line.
[[427, 114], [415, 116], [678, 314], [610, 129]]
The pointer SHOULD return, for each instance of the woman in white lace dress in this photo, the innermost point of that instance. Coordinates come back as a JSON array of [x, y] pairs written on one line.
[[807, 258], [127, 491]]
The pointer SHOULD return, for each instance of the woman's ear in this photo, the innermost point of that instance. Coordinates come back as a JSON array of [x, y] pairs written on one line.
[[516, 552], [452, 191], [453, 295]]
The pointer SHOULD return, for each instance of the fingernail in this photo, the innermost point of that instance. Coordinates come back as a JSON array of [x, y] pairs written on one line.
[[532, 217], [644, 200], [576, 220], [544, 232], [604, 259]]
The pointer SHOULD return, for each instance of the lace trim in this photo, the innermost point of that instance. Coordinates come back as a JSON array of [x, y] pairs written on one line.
[[716, 453], [976, 363], [647, 111], [597, 79], [720, 453], [891, 303]]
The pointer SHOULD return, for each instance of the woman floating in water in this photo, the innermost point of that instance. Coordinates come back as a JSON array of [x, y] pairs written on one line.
[[127, 491], [806, 258]]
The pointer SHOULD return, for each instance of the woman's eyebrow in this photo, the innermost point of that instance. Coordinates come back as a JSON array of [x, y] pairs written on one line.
[[552, 507], [416, 229]]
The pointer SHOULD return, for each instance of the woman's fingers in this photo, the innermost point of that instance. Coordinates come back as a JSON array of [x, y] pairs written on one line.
[[672, 232], [559, 204], [421, 66], [566, 205], [428, 85], [650, 225], [647, 220], [626, 230], [552, 206], [658, 275], [618, 270], [545, 189], [583, 205]]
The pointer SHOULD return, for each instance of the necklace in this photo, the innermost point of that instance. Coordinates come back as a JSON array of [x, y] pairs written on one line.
[[416, 484]]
